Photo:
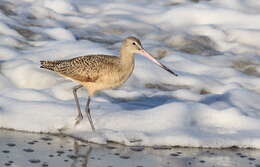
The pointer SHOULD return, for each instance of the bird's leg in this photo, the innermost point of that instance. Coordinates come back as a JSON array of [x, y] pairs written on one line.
[[80, 116], [87, 110]]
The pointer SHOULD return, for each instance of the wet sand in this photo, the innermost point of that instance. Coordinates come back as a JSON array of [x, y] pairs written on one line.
[[26, 149]]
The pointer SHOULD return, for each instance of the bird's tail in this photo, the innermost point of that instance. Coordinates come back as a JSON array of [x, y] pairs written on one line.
[[50, 65]]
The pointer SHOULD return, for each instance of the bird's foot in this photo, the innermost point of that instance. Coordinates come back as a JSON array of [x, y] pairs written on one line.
[[87, 111], [90, 120], [92, 127], [78, 119]]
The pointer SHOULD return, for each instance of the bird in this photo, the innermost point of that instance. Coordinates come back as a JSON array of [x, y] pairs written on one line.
[[99, 72]]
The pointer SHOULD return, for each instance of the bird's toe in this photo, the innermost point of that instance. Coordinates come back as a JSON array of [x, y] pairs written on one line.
[[78, 119]]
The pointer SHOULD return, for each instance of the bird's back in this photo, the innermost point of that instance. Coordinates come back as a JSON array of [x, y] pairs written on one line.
[[84, 68]]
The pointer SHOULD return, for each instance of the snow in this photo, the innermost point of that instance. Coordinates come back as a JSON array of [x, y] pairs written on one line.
[[212, 45], [59, 34]]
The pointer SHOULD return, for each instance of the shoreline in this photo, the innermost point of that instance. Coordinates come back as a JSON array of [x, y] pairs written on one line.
[[112, 142]]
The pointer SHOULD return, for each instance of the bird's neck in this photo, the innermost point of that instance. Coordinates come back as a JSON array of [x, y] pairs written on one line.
[[126, 58]]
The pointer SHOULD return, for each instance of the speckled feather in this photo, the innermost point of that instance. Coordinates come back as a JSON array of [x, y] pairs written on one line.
[[84, 68]]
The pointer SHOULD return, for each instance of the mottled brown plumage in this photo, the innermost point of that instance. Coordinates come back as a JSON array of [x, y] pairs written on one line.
[[82, 69], [99, 72]]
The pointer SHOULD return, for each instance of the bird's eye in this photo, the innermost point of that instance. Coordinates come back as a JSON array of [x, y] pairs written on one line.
[[134, 43]]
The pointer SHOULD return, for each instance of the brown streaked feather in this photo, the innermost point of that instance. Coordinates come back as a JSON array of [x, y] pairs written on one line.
[[49, 64], [84, 68]]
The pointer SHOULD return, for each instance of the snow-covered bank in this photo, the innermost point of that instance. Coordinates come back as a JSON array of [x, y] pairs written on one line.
[[212, 45]]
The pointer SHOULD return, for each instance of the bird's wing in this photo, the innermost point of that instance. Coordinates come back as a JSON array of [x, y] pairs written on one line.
[[85, 68]]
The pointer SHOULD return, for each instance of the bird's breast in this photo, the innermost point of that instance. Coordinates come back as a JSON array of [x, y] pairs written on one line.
[[116, 78], [111, 79]]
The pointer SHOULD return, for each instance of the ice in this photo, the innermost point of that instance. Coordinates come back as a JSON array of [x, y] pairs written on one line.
[[16, 71], [8, 52], [60, 34], [59, 6], [212, 45], [4, 29]]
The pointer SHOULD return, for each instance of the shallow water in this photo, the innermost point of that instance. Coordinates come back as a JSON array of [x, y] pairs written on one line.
[[26, 149]]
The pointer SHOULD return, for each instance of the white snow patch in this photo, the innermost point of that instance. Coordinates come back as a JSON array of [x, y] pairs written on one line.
[[59, 34]]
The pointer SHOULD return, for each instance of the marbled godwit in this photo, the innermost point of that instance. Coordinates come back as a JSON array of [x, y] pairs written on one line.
[[99, 72]]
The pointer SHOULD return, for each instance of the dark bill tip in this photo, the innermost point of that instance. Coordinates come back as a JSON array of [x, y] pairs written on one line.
[[170, 71], [147, 55]]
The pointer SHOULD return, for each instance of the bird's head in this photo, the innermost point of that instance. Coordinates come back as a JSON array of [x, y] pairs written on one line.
[[134, 46]]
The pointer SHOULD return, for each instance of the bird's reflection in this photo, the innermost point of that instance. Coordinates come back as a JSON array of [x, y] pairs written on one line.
[[82, 153]]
